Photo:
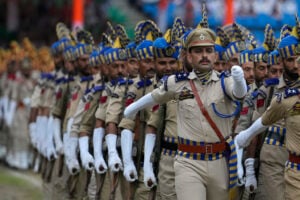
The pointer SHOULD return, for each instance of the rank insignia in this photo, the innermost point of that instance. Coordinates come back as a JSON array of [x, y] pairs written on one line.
[[296, 109], [291, 92], [185, 93]]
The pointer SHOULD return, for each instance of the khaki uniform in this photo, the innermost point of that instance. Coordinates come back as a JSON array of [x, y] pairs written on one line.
[[286, 105], [246, 113], [48, 90], [135, 92], [166, 173], [204, 176], [101, 113], [19, 145], [273, 154], [60, 173]]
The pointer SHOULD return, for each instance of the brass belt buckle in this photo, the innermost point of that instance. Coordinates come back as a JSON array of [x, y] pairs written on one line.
[[208, 148]]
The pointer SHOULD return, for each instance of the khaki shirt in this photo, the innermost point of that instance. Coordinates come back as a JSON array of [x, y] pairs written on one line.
[[61, 98], [170, 119], [48, 92], [117, 102], [191, 124], [82, 104], [135, 92], [104, 99], [77, 89], [245, 119], [287, 108]]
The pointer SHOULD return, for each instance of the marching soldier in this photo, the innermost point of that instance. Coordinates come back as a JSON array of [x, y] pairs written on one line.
[[200, 167], [285, 105], [166, 53]]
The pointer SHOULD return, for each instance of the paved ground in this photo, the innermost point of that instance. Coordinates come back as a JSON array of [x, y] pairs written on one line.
[[19, 185]]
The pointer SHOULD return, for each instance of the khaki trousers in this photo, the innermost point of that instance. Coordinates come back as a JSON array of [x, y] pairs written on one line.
[[166, 177], [271, 173], [201, 180]]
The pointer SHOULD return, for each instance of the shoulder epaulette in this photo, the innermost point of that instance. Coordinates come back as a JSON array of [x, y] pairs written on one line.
[[114, 82], [144, 83], [271, 82], [86, 78], [70, 79], [123, 82], [181, 76], [61, 80], [257, 93], [289, 92], [47, 76], [98, 88], [87, 91]]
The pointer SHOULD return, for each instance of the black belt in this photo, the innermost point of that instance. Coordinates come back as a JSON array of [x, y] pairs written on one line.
[[169, 146]]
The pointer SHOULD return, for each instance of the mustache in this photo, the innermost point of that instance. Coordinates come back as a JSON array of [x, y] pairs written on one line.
[[204, 60]]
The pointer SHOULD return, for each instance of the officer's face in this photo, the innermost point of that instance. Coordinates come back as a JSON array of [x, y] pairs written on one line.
[[248, 68], [132, 67], [260, 71], [118, 69], [234, 60], [95, 69], [104, 69], [166, 66], [147, 68], [202, 58], [83, 61], [58, 61], [275, 71], [290, 67], [69, 66], [220, 65]]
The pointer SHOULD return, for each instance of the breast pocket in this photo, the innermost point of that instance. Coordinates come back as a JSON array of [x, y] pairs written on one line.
[[187, 109]]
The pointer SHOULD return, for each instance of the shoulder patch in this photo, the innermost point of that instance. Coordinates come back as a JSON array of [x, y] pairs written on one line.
[[278, 96], [289, 92], [271, 82], [181, 76]]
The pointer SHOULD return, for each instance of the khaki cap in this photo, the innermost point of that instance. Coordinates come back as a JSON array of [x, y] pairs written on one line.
[[201, 37]]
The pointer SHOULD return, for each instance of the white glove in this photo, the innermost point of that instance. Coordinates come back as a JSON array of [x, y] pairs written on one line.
[[144, 102], [130, 172], [32, 134], [70, 151], [57, 135], [149, 177], [244, 138], [69, 125], [239, 82], [11, 113], [114, 161], [5, 103], [87, 159], [49, 145], [100, 164], [26, 101], [42, 122], [251, 183], [240, 169]]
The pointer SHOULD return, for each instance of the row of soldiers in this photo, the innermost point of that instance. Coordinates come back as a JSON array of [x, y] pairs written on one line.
[[157, 117]]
